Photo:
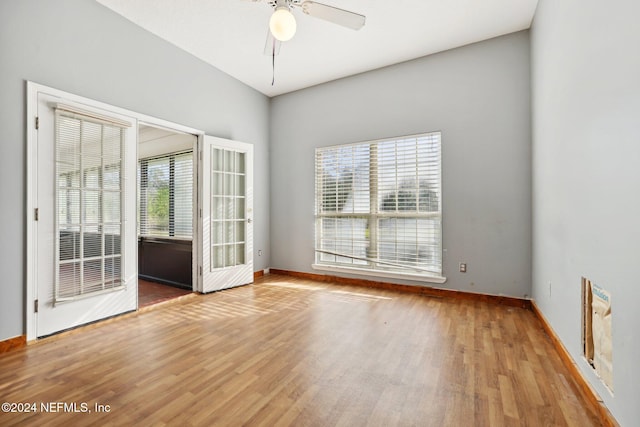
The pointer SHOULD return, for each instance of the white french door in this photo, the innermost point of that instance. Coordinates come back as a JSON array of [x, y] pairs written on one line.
[[85, 214], [226, 203]]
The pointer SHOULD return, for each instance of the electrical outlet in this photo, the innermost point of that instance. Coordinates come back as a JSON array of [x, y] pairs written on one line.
[[463, 267]]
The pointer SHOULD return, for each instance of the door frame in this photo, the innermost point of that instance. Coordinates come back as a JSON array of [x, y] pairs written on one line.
[[33, 90]]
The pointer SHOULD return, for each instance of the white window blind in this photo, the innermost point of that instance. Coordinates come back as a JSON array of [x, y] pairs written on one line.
[[378, 205], [89, 194], [166, 196]]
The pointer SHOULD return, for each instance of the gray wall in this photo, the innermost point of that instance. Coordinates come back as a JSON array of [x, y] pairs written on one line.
[[82, 47], [586, 175], [478, 96]]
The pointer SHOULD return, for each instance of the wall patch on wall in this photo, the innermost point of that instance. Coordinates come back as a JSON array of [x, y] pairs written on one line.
[[596, 330]]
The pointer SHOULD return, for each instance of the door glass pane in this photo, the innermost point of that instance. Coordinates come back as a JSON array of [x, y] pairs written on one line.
[[89, 206], [112, 242], [229, 235], [239, 231], [111, 200], [111, 178], [217, 208], [239, 253], [228, 161], [69, 279], [92, 243], [217, 183], [229, 255], [240, 212], [217, 257], [229, 184], [112, 267], [69, 243], [69, 212], [217, 231], [92, 174], [239, 185], [227, 208], [216, 159], [240, 166]]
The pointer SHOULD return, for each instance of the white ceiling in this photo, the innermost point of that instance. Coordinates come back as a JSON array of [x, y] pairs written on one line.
[[230, 34]]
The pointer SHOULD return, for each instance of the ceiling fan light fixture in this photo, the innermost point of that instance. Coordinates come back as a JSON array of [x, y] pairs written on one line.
[[282, 24]]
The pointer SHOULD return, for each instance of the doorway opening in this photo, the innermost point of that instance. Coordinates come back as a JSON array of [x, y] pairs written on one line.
[[165, 215]]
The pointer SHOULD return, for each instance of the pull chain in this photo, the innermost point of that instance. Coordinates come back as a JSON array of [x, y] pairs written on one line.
[[273, 62]]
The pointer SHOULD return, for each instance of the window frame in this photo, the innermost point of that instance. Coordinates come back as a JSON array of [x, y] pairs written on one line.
[[375, 214]]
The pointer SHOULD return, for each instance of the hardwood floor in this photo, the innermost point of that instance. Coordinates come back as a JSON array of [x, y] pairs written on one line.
[[150, 293], [288, 351]]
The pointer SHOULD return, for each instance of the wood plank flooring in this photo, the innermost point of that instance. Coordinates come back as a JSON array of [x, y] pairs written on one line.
[[150, 293], [293, 352]]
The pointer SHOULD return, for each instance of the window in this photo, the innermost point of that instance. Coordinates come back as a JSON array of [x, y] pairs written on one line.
[[166, 196], [89, 194], [378, 207]]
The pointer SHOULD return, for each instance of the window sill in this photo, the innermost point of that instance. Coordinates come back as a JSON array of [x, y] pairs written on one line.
[[380, 273]]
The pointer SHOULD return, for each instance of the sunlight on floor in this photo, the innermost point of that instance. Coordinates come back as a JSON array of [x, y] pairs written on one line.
[[294, 286], [356, 294]]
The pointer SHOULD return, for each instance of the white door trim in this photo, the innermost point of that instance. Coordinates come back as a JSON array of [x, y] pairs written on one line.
[[33, 89]]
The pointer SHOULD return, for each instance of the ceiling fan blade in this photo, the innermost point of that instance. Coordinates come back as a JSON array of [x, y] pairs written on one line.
[[271, 44], [352, 20]]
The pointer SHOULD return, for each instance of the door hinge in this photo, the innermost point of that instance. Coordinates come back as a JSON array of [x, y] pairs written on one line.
[[35, 306], [35, 214], [37, 123], [200, 212], [201, 270]]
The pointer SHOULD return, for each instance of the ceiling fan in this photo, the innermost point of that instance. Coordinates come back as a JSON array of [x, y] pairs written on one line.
[[282, 24]]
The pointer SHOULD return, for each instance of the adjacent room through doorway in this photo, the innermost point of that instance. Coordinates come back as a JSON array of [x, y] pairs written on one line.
[[165, 214]]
